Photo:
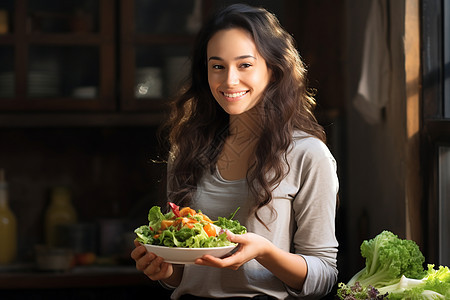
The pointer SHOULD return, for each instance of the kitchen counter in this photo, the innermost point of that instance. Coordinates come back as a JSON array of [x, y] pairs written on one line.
[[80, 277], [85, 282]]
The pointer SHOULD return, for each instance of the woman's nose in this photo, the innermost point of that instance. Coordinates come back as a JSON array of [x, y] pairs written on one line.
[[232, 77]]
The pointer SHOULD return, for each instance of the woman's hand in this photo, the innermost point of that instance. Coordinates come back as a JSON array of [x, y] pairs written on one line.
[[289, 267], [250, 246], [153, 266]]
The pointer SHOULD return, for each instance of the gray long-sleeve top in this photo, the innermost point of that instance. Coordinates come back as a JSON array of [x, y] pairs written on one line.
[[302, 221]]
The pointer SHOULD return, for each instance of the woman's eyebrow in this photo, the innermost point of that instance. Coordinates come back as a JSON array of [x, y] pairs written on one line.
[[236, 58]]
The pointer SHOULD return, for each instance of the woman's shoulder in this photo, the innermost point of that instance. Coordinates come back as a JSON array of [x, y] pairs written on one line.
[[305, 142], [309, 149]]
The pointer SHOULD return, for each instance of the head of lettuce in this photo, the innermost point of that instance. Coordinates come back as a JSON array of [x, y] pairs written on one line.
[[186, 228]]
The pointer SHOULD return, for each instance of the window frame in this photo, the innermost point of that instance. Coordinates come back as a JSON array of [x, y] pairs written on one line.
[[435, 127]]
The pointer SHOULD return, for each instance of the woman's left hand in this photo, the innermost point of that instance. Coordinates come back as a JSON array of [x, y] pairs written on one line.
[[288, 267], [250, 246]]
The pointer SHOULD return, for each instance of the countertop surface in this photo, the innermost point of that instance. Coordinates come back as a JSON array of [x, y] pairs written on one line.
[[27, 277]]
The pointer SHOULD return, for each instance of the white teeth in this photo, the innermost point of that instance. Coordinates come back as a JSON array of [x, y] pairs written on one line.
[[234, 95]]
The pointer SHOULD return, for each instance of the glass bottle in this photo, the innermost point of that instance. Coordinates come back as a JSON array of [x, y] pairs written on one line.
[[8, 225], [59, 212]]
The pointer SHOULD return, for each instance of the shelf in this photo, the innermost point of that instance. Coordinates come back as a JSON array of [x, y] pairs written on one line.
[[53, 104], [154, 39], [24, 120], [7, 39], [68, 39], [59, 39]]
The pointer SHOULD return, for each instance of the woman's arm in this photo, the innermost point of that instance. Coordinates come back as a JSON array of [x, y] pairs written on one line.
[[288, 267]]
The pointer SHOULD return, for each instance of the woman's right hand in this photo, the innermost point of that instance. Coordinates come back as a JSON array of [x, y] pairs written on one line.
[[153, 266]]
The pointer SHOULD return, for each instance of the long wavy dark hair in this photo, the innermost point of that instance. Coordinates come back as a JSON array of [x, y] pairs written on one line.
[[198, 126]]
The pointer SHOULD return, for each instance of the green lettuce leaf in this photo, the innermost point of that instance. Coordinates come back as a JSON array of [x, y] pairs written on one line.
[[155, 217], [144, 234], [232, 225], [185, 237]]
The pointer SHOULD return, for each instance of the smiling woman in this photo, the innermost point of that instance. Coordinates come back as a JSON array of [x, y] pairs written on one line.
[[243, 134]]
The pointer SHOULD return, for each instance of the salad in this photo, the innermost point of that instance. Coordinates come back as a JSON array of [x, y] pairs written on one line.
[[186, 228]]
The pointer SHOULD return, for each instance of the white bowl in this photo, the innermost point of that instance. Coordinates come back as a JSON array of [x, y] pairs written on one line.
[[187, 255]]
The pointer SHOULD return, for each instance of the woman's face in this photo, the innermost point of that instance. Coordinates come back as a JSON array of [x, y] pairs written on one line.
[[237, 73]]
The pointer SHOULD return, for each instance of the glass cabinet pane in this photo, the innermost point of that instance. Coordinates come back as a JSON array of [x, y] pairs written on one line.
[[6, 16], [168, 17], [160, 70], [63, 71], [7, 80], [56, 16], [444, 204], [446, 63]]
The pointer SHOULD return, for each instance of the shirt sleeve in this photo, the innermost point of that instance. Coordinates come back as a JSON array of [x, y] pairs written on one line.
[[314, 212]]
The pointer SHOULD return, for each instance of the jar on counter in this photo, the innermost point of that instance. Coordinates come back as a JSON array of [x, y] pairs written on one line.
[[8, 225], [60, 212]]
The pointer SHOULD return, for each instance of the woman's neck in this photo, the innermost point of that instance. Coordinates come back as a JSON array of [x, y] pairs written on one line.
[[246, 126], [239, 148]]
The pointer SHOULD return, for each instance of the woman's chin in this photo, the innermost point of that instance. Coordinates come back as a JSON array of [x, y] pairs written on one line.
[[235, 111]]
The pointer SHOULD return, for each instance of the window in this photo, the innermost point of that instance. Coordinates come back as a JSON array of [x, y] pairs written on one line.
[[435, 132], [446, 30], [444, 204]]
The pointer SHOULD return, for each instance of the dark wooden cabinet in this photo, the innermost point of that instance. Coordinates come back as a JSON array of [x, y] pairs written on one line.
[[58, 56], [111, 59], [93, 62], [94, 55], [155, 42]]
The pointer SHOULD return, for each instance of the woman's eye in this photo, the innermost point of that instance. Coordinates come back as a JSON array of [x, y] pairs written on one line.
[[246, 65], [217, 67]]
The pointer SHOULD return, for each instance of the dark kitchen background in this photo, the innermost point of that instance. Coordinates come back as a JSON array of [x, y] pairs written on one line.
[[83, 87]]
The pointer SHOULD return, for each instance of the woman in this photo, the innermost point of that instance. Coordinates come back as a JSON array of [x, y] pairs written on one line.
[[243, 135]]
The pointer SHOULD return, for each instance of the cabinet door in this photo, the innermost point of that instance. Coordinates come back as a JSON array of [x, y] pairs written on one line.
[[155, 40], [61, 55], [7, 53]]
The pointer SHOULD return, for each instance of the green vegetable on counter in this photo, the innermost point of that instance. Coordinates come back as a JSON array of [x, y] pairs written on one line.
[[387, 259], [434, 285], [394, 270]]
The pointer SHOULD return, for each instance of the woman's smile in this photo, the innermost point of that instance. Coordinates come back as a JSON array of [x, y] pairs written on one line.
[[234, 96]]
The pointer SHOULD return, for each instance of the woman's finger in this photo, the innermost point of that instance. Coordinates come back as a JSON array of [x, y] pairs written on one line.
[[209, 260], [143, 262], [138, 252], [235, 238], [153, 270]]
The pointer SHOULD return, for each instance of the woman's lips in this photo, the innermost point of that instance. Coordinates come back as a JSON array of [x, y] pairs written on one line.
[[234, 95]]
